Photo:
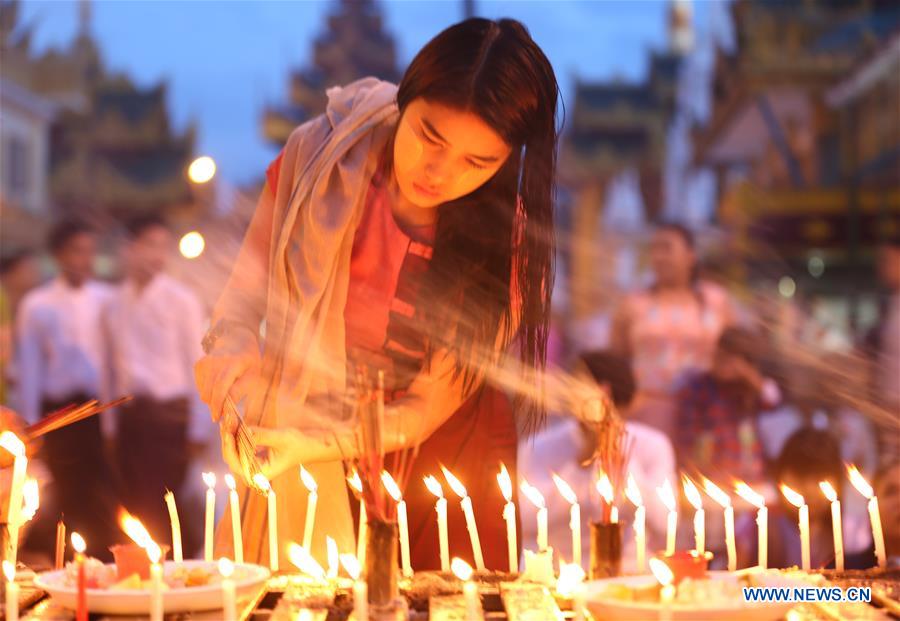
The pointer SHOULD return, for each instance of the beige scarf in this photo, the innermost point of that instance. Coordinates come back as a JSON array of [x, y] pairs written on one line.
[[325, 172]]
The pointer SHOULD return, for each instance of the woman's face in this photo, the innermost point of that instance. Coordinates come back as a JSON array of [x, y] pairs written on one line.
[[442, 153], [671, 258]]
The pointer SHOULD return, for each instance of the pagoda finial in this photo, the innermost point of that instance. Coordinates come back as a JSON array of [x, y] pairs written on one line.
[[468, 9], [681, 28], [85, 11]]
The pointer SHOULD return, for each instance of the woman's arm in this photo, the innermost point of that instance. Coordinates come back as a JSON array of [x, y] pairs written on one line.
[[620, 330]]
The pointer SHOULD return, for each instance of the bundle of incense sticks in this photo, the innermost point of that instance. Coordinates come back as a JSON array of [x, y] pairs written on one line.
[[369, 403], [69, 415], [246, 447], [612, 451]]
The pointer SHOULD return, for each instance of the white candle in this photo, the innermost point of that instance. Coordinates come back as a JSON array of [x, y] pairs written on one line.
[[860, 483], [79, 545], [470, 589], [693, 496], [356, 484], [633, 493], [309, 525], [537, 499], [210, 524], [441, 508], [762, 521], [719, 495], [543, 536], [156, 580], [566, 491], [394, 490], [12, 443], [12, 592], [836, 530], [803, 522], [664, 576], [229, 600], [177, 554], [509, 515], [333, 563], [667, 497], [466, 503], [235, 504], [360, 588], [272, 514]]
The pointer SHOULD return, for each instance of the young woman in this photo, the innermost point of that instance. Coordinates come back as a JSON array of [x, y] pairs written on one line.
[[409, 228], [671, 328]]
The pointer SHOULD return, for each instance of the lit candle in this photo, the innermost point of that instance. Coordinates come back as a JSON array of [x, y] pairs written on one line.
[[60, 545], [568, 494], [12, 592], [333, 556], [435, 488], [229, 599], [177, 554], [81, 609], [534, 495], [466, 503], [836, 530], [272, 514], [717, 494], [309, 525], [509, 515], [12, 443], [762, 521], [667, 497], [156, 579], [633, 493], [664, 576], [463, 571], [360, 588], [803, 521], [31, 494], [394, 490], [236, 534], [570, 585], [863, 487], [356, 484], [605, 489], [693, 496], [303, 560], [210, 479]]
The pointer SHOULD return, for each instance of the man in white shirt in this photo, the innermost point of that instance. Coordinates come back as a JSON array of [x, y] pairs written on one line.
[[59, 363], [153, 328]]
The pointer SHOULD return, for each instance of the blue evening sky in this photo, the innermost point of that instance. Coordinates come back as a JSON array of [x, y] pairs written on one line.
[[225, 60]]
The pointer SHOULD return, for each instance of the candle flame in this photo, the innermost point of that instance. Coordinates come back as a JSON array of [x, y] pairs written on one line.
[[226, 567], [716, 493], [570, 576], [565, 490], [604, 488], [308, 481], [9, 570], [333, 556], [434, 486], [661, 571], [461, 569], [666, 495], [747, 493], [303, 560], [351, 565], [859, 481], [691, 492], [505, 482], [12, 443], [391, 486], [355, 482], [260, 480], [210, 479], [135, 530], [792, 497], [455, 484], [78, 543], [31, 499], [533, 494], [633, 492], [828, 490], [154, 553], [230, 483]]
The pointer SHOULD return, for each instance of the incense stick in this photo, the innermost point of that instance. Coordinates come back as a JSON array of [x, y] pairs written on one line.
[[69, 415]]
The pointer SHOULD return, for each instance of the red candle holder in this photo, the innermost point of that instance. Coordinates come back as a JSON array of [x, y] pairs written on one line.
[[132, 559], [686, 564]]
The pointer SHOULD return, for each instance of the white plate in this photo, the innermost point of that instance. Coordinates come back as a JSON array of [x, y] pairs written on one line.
[[248, 580], [611, 609]]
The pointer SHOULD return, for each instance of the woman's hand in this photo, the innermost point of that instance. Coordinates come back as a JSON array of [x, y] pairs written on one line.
[[232, 368], [286, 447]]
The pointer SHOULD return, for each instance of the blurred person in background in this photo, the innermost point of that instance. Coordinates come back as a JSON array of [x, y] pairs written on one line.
[[153, 327], [60, 362], [18, 275], [670, 329], [887, 359], [887, 489]]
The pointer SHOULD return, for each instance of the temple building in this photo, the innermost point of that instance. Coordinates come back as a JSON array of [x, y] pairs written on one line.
[[108, 149], [804, 139]]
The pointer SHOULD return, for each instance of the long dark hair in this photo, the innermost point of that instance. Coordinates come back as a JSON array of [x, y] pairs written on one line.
[[502, 233]]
